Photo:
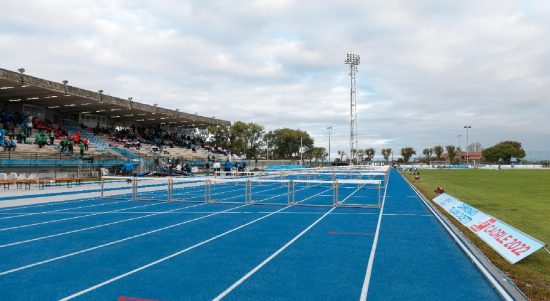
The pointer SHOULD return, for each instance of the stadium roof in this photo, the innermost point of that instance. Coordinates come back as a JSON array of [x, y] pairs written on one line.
[[25, 89]]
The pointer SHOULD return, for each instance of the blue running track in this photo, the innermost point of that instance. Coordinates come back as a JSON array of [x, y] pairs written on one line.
[[118, 249]]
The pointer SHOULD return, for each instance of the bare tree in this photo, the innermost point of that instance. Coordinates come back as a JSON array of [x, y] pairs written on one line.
[[342, 154], [475, 147], [386, 153], [428, 153], [438, 150], [369, 153]]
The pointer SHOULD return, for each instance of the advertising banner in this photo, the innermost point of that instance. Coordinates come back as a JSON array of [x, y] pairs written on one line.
[[507, 241]]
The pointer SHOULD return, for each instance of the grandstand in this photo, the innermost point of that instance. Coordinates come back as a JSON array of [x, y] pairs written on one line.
[[111, 126]]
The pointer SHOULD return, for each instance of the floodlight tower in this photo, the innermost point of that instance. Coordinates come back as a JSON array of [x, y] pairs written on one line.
[[352, 60]]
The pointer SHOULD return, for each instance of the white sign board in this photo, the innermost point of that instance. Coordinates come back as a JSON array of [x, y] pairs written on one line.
[[509, 242]]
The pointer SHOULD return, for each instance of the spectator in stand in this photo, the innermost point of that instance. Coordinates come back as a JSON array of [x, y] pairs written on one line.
[[2, 137], [11, 130], [10, 145], [76, 138], [70, 146], [28, 125], [22, 137], [52, 137], [41, 140], [81, 145], [64, 144], [86, 142]]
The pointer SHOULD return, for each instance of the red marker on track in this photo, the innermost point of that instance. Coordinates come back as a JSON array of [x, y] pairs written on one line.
[[125, 298]]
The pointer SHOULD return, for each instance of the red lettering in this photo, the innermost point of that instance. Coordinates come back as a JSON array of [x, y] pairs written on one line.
[[504, 239], [497, 233], [513, 241], [514, 245], [500, 235], [524, 248], [490, 229], [482, 225]]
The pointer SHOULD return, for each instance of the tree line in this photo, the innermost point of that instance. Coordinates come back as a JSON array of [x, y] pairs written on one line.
[[502, 152], [252, 141]]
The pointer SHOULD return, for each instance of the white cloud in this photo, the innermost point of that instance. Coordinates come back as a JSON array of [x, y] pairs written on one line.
[[427, 67]]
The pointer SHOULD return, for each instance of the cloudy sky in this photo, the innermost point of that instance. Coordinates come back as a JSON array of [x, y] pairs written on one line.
[[427, 67]]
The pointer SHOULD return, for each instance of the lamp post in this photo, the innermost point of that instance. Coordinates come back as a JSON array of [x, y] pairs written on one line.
[[467, 154], [329, 128], [459, 148]]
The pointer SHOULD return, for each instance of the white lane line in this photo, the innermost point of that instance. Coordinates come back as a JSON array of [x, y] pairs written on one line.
[[263, 263], [267, 260], [368, 273], [64, 209], [153, 213], [110, 243], [90, 228], [87, 214], [48, 204], [169, 256], [174, 254]]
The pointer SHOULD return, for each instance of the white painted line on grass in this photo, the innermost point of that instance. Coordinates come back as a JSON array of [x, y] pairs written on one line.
[[366, 282]]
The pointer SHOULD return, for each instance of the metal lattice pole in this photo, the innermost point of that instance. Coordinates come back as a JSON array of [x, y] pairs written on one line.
[[353, 60]]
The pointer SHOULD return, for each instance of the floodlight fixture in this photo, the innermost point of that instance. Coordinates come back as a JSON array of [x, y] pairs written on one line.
[[353, 60]]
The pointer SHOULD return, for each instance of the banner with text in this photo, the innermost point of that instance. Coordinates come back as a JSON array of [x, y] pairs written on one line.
[[509, 242]]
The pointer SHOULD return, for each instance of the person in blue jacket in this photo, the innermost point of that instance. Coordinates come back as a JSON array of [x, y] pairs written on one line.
[[127, 169], [227, 167]]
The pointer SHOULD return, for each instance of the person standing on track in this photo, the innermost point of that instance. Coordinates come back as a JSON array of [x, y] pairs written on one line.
[[127, 169], [217, 167], [207, 168], [227, 167]]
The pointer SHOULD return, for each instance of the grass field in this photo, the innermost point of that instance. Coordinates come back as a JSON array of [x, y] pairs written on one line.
[[520, 198]]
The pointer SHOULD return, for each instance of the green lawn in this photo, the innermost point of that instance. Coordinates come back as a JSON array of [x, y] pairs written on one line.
[[520, 198]]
